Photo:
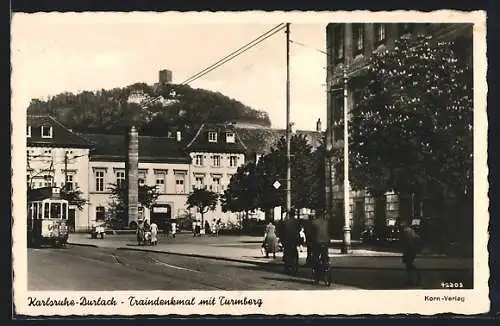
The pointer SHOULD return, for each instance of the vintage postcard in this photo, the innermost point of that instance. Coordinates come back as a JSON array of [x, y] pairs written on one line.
[[249, 163]]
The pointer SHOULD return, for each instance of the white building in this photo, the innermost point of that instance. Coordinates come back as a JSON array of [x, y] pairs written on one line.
[[55, 156], [162, 163], [216, 152]]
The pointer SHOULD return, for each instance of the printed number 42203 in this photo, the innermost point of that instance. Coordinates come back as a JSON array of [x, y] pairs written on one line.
[[452, 285]]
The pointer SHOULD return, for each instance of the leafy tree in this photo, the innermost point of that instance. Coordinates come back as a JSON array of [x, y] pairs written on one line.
[[411, 127], [110, 110], [74, 196], [240, 195], [204, 201], [306, 171], [147, 196]]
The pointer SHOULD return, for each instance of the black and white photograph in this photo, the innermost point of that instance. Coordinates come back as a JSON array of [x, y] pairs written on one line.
[[214, 162]]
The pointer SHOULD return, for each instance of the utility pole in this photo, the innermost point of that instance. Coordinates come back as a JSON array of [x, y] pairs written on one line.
[[288, 163], [66, 170]]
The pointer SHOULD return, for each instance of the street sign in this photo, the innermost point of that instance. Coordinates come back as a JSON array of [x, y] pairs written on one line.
[[276, 184]]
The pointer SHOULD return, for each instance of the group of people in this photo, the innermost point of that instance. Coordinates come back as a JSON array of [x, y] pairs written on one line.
[[147, 232], [209, 230], [291, 237]]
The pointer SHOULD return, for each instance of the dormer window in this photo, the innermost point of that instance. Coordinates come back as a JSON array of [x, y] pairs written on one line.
[[46, 131], [230, 137], [28, 131], [212, 137]]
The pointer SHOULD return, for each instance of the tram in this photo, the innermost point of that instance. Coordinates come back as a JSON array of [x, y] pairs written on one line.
[[47, 217]]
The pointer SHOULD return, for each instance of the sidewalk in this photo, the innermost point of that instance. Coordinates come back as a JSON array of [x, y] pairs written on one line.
[[247, 249]]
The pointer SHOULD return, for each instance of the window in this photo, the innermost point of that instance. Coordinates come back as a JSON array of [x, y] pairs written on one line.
[[405, 29], [69, 182], [380, 31], [216, 160], [28, 131], [230, 137], [198, 160], [160, 182], [338, 116], [339, 42], [100, 213], [142, 178], [216, 184], [212, 137], [28, 181], [179, 184], [120, 179], [140, 212], [46, 210], [199, 182], [46, 132], [359, 38], [47, 180], [55, 210], [99, 180], [233, 160]]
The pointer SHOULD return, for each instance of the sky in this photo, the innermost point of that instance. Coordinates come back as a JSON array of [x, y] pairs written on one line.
[[54, 53]]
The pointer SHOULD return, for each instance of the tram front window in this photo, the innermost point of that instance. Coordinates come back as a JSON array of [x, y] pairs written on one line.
[[46, 210], [64, 210], [55, 210]]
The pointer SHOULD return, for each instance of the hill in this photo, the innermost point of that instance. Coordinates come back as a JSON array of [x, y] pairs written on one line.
[[152, 109]]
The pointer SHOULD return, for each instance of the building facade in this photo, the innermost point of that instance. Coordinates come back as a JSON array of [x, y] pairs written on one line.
[[349, 45], [94, 163], [56, 156], [216, 152]]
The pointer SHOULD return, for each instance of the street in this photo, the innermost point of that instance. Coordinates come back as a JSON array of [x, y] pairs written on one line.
[[76, 268]]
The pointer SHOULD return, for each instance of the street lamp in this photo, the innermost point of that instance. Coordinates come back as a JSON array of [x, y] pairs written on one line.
[[346, 245]]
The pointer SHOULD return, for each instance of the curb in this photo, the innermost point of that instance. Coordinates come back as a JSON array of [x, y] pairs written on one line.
[[83, 245], [274, 263]]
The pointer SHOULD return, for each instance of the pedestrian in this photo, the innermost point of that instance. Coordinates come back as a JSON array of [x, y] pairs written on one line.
[[197, 228], [154, 233], [270, 240], [207, 228], [319, 242], [173, 228], [290, 239], [410, 244], [302, 239]]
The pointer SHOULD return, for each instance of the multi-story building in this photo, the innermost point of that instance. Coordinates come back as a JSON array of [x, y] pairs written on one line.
[[216, 152], [162, 163], [56, 156], [93, 163], [349, 45]]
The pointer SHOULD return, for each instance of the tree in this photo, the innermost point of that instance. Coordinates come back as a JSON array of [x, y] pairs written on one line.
[[147, 196], [240, 195], [74, 196], [305, 167], [411, 127], [204, 201], [111, 111]]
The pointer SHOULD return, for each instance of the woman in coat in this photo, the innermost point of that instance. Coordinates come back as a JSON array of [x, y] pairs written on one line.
[[270, 240]]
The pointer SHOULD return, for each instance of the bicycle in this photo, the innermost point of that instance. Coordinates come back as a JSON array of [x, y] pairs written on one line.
[[321, 268]]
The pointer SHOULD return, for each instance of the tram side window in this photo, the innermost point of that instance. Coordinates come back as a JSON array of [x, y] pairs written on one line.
[[40, 211], [64, 210], [35, 211], [46, 210], [55, 210]]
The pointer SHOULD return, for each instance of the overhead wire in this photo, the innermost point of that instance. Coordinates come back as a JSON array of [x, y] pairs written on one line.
[[236, 53], [228, 57]]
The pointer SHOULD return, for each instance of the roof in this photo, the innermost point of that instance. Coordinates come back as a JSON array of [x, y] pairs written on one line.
[[260, 141], [61, 136], [200, 142], [107, 147]]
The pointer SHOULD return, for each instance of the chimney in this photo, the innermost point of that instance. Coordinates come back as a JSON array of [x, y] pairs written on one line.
[[318, 125], [179, 137], [132, 171]]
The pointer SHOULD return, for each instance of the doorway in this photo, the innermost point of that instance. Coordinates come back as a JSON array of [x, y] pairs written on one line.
[[71, 219]]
